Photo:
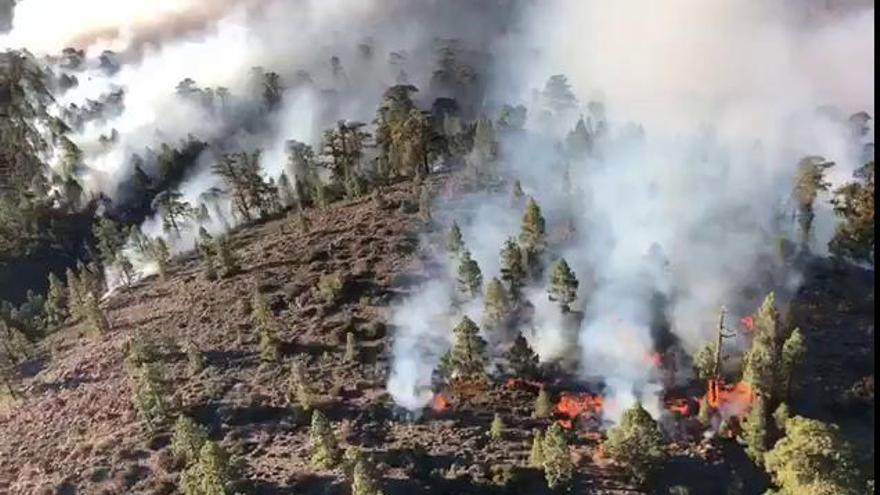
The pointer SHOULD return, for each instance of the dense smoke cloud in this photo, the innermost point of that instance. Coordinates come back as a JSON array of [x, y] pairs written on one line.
[[729, 96]]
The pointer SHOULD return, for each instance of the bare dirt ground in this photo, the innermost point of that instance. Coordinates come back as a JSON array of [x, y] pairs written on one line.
[[74, 430]]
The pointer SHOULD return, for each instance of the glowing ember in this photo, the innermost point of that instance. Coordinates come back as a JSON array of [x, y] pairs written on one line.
[[571, 406], [748, 322], [679, 406], [439, 403], [520, 384]]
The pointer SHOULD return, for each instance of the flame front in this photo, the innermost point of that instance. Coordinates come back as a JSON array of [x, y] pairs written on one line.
[[440, 402], [748, 322], [733, 400], [571, 406]]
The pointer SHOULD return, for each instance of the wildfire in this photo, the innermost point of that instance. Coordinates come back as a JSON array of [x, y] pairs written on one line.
[[748, 322], [439, 403], [571, 406], [656, 359], [680, 406], [737, 397], [517, 383]]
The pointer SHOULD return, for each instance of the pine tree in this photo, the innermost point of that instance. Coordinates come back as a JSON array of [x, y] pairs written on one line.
[[854, 204], [109, 239], [543, 405], [704, 362], [211, 475], [325, 452], [513, 271], [206, 248], [187, 440], [174, 210], [497, 305], [467, 358], [425, 203], [161, 255], [516, 194], [268, 328], [522, 360], [127, 269], [536, 455], [470, 278], [74, 294], [151, 396], [56, 303], [226, 257], [809, 182], [195, 359], [94, 315], [286, 194], [299, 392], [350, 348], [781, 416], [636, 443], [361, 473], [532, 234], [496, 429], [454, 241], [558, 466], [761, 361], [563, 285], [793, 352], [812, 459], [755, 430]]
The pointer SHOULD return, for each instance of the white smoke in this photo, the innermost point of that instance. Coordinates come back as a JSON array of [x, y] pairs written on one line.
[[729, 96]]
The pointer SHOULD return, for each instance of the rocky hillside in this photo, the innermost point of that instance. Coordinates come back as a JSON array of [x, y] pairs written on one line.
[[74, 430]]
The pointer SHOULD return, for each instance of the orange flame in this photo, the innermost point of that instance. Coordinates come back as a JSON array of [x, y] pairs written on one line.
[[439, 403], [737, 397], [748, 322], [680, 406], [656, 359], [571, 406]]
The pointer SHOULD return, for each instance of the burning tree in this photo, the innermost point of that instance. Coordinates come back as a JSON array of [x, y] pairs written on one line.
[[467, 358], [636, 443], [563, 285]]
